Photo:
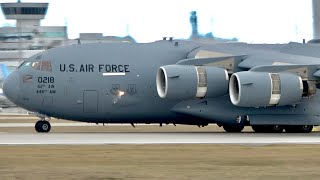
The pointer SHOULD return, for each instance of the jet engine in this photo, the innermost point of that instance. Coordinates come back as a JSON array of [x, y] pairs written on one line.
[[261, 89], [187, 81]]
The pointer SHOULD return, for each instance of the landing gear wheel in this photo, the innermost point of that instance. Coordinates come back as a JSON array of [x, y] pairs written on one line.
[[306, 128], [234, 128], [276, 129], [43, 126], [267, 128], [258, 128], [299, 129]]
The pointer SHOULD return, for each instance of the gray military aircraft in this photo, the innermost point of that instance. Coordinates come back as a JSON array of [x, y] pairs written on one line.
[[271, 88]]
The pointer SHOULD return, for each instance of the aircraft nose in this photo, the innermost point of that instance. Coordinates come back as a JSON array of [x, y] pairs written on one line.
[[11, 87]]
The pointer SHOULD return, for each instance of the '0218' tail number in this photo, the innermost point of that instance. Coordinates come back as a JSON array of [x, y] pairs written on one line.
[[45, 79]]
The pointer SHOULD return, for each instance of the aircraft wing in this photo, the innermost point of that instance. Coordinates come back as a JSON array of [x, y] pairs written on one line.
[[306, 72], [251, 75], [230, 63], [269, 61]]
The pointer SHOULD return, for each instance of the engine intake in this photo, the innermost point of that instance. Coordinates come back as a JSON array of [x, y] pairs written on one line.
[[186, 81], [261, 89]]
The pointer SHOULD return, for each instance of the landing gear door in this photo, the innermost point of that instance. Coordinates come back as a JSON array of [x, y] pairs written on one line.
[[90, 101]]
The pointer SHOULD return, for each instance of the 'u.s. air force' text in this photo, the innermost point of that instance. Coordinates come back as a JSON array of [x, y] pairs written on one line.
[[95, 68]]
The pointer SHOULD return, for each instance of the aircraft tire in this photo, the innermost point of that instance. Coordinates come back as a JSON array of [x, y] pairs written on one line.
[[258, 129], [43, 126], [37, 126], [276, 129], [299, 129], [267, 128], [233, 129]]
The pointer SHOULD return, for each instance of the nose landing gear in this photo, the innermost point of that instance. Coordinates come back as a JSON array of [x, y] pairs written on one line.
[[43, 126]]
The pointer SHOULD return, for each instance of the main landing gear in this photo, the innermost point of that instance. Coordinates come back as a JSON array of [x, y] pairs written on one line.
[[233, 128], [242, 121], [236, 128], [279, 129], [270, 128], [267, 128], [299, 129]]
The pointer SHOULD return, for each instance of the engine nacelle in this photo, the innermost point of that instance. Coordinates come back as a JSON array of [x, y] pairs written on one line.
[[261, 89], [187, 81]]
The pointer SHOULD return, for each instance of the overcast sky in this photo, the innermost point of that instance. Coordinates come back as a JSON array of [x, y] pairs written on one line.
[[252, 21]]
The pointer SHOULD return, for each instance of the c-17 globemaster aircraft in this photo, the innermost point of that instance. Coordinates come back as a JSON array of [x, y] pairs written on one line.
[[271, 88]]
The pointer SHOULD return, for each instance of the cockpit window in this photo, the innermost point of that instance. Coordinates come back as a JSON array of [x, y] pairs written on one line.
[[42, 65], [45, 66], [38, 65], [25, 64]]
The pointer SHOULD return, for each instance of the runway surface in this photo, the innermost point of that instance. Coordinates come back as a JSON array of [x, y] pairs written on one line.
[[57, 124], [156, 138]]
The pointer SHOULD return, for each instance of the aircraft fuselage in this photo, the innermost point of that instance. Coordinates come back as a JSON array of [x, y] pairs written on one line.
[[116, 83]]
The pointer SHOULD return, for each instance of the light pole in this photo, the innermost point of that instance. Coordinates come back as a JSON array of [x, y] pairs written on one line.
[[316, 18]]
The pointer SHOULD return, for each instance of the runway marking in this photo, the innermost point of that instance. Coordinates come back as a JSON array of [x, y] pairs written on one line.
[[156, 138]]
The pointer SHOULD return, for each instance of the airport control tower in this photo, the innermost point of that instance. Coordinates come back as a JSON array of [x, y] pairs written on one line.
[[28, 34], [25, 14]]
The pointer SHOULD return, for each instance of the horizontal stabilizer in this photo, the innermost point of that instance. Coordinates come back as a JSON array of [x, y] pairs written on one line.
[[311, 50]]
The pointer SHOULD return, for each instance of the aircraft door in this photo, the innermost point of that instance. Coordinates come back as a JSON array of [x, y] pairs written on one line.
[[90, 101]]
